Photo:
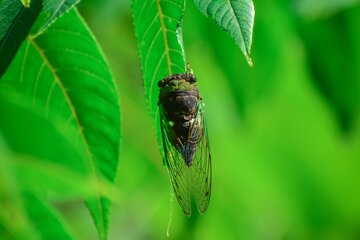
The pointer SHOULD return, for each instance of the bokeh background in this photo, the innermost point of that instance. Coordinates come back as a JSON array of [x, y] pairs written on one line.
[[284, 135]]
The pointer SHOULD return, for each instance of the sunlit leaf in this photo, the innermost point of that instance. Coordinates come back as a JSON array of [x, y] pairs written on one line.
[[41, 177], [53, 9], [29, 132], [15, 23], [26, 3], [70, 81], [60, 154], [236, 17]]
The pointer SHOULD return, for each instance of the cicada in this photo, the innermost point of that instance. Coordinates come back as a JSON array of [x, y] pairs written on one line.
[[185, 140]]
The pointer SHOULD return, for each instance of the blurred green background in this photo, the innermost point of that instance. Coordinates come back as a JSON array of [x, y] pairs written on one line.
[[285, 134]]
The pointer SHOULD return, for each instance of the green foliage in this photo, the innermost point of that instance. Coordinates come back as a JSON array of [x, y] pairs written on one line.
[[37, 176], [338, 85], [284, 135], [23, 215], [61, 148], [236, 17], [64, 109], [17, 18], [158, 27], [26, 3], [283, 169], [322, 8], [42, 215], [14, 222], [15, 23], [53, 9], [72, 178]]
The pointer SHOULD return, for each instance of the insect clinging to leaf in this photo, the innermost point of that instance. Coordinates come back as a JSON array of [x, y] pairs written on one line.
[[185, 140]]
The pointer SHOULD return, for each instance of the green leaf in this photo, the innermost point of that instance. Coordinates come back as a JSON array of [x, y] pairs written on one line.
[[14, 223], [158, 27], [335, 79], [63, 171], [53, 9], [15, 23], [23, 216], [236, 17], [27, 131], [38, 176], [70, 80], [322, 8], [45, 219], [26, 3]]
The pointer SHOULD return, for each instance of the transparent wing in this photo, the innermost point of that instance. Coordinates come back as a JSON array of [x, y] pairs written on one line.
[[201, 174], [179, 172]]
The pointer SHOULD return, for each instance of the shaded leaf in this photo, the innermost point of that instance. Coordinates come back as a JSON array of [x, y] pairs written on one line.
[[332, 63], [38, 176], [71, 81], [236, 17], [14, 223], [15, 24], [322, 8], [45, 219], [23, 216]]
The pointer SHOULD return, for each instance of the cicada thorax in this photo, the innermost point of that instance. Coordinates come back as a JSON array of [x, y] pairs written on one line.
[[179, 97]]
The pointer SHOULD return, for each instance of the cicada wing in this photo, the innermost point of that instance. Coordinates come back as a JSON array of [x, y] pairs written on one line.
[[201, 170], [179, 172]]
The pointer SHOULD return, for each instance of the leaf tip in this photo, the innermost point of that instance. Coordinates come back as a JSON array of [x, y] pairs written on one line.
[[26, 3], [249, 60]]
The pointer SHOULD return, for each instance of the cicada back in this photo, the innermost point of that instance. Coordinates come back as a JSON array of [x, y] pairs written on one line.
[[185, 140]]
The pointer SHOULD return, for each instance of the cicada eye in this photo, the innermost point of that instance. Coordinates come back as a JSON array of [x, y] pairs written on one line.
[[161, 83], [192, 78]]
